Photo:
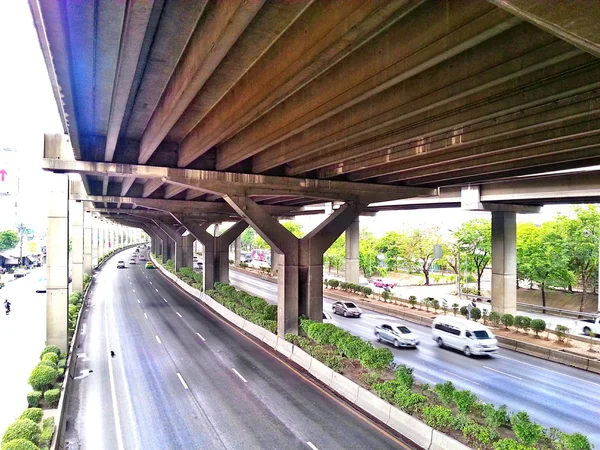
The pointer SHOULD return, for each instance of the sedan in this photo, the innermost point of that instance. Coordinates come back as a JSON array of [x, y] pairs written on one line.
[[132, 261], [347, 309], [396, 334], [120, 264]]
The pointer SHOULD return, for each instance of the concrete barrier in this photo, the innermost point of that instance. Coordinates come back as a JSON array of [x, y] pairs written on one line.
[[534, 350], [270, 339], [569, 359], [321, 371], [441, 441], [344, 386], [284, 347], [301, 358], [372, 404], [412, 428], [594, 365]]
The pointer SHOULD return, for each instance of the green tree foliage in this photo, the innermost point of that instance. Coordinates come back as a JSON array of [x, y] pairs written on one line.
[[293, 227], [419, 248], [335, 255], [393, 247], [8, 239], [474, 238], [368, 253], [247, 238]]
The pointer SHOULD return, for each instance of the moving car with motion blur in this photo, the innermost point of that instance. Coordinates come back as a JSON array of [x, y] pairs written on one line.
[[464, 335], [347, 309], [396, 334]]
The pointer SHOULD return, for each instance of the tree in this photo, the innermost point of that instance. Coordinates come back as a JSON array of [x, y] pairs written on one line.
[[393, 246], [475, 240], [367, 253], [335, 255], [293, 227], [247, 238], [8, 239], [419, 248]]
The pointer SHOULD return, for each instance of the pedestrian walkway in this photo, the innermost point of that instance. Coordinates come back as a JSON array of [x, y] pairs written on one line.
[[22, 336]]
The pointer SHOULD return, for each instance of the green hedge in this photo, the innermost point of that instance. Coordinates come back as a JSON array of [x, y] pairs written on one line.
[[33, 398], [42, 377], [22, 429], [19, 444], [52, 396], [50, 356], [50, 349], [33, 414], [47, 432]]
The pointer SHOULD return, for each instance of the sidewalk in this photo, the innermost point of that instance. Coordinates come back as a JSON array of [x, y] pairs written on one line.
[[22, 334]]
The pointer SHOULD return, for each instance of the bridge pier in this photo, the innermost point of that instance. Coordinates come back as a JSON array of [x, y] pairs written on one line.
[[175, 244], [164, 251], [237, 251], [76, 233], [504, 262], [351, 270], [87, 242]]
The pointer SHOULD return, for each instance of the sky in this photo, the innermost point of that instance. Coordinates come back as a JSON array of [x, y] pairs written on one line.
[[28, 110]]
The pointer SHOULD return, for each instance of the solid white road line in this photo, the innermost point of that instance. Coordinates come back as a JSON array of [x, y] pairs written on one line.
[[145, 315], [138, 300], [113, 391], [239, 375], [158, 339], [311, 445], [200, 336], [503, 373], [178, 314], [185, 386]]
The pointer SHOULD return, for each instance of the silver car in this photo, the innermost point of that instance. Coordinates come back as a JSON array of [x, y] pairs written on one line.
[[396, 334], [347, 309]]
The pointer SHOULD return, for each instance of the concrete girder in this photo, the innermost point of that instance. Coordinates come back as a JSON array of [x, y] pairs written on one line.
[[175, 27], [135, 23], [451, 31], [476, 162], [448, 112], [466, 76], [228, 21], [533, 136], [242, 184], [126, 185], [503, 123], [291, 62], [173, 190], [151, 185], [576, 24]]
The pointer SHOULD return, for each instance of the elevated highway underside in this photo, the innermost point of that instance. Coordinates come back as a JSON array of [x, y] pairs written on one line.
[[196, 112]]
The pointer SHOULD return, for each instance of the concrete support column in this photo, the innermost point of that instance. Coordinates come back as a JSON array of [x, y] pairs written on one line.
[[76, 233], [504, 262], [163, 254], [352, 273], [87, 243], [176, 243], [299, 261], [187, 251], [216, 249], [237, 251], [57, 262], [95, 241]]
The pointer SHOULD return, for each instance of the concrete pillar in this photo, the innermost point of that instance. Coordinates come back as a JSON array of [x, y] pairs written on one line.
[[352, 273], [299, 261], [216, 249], [176, 244], [57, 262], [87, 243], [237, 251], [165, 241], [76, 234], [504, 262], [95, 241], [187, 250]]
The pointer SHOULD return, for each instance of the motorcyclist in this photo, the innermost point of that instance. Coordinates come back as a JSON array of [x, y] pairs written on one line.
[[7, 306]]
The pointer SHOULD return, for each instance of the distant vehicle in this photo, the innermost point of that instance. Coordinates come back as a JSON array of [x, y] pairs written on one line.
[[142, 258], [380, 283], [149, 265], [120, 264], [132, 261], [137, 250], [260, 255], [19, 273], [589, 325], [41, 285], [347, 309], [396, 334], [465, 335]]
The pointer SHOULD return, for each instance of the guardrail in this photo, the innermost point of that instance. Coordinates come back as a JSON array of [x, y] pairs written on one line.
[[556, 311]]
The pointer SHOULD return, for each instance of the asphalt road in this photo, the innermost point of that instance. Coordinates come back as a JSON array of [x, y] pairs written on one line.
[[182, 378], [553, 394]]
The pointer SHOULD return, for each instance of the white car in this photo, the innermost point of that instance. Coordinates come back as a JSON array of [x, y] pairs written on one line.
[[120, 264], [470, 337], [396, 334]]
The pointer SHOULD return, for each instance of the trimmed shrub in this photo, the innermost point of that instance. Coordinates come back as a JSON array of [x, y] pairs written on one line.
[[47, 431], [33, 414], [387, 389], [476, 314], [22, 429], [52, 396], [464, 311], [575, 441], [409, 401], [495, 318], [526, 431], [366, 290], [404, 375], [518, 322], [333, 283], [50, 356], [507, 320], [353, 347], [19, 444], [377, 358], [538, 326], [50, 349], [438, 417], [42, 377], [47, 363], [62, 363], [464, 401], [33, 398], [495, 417], [525, 323], [445, 392], [475, 433]]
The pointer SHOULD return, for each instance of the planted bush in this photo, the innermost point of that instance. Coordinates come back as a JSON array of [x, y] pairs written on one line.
[[495, 318], [538, 326], [510, 444], [42, 377], [526, 431], [478, 434], [387, 389], [438, 417], [47, 432], [475, 313], [377, 358], [52, 396], [333, 283], [404, 375], [50, 356], [445, 392], [47, 363], [50, 349], [409, 401], [495, 417], [33, 414], [19, 444], [575, 441], [507, 320], [33, 398], [464, 401], [22, 429]]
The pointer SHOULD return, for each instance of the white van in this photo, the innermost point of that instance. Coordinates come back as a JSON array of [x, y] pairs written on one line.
[[470, 337]]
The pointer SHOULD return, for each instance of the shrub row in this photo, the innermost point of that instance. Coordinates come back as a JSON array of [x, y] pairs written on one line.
[[348, 287], [254, 309], [444, 407], [75, 304], [192, 278], [29, 431]]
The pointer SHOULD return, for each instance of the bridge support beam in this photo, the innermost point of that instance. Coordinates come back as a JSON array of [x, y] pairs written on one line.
[[187, 251], [351, 270], [504, 262], [237, 251], [299, 261], [175, 244], [163, 251]]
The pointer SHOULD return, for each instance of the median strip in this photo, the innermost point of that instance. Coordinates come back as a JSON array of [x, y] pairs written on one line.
[[185, 386], [239, 375]]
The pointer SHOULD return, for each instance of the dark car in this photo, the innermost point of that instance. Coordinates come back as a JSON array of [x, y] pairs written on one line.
[[347, 309]]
